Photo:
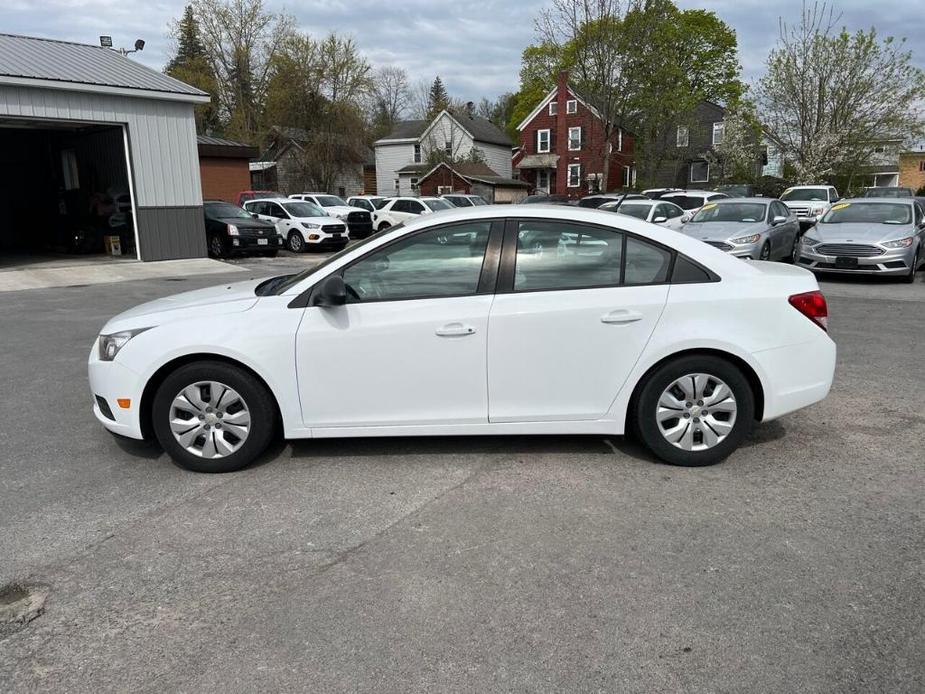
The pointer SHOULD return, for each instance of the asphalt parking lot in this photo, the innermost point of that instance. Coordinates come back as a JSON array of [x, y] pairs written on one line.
[[484, 564]]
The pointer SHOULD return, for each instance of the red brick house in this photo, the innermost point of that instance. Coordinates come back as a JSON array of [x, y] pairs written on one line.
[[223, 167], [562, 146], [471, 178]]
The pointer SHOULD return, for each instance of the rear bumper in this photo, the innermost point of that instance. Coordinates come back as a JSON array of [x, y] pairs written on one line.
[[112, 381], [797, 375]]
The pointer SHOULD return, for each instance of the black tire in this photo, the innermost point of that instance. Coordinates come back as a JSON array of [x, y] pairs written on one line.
[[384, 226], [794, 258], [295, 242], [910, 278], [217, 246], [765, 253], [260, 405], [645, 407]]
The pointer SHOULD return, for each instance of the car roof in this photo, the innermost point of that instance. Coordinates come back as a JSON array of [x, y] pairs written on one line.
[[859, 201], [812, 185], [751, 201], [274, 200]]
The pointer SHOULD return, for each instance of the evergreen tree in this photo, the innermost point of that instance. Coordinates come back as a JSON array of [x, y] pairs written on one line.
[[191, 65], [439, 99]]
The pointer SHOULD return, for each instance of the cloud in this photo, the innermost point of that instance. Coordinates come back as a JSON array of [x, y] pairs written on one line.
[[474, 46]]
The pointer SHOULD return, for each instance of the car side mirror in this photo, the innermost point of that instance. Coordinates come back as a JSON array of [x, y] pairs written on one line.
[[255, 215], [331, 292], [660, 220], [779, 219]]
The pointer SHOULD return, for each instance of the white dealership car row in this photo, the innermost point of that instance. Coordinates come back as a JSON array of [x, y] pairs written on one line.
[[459, 322]]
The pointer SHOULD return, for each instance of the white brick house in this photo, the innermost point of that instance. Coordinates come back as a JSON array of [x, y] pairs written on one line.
[[402, 156]]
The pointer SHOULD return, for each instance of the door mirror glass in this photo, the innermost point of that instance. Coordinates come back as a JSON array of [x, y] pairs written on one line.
[[331, 292], [660, 220], [255, 215], [779, 219]]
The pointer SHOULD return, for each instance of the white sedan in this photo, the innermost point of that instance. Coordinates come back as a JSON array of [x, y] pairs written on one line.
[[667, 214], [398, 210], [624, 326]]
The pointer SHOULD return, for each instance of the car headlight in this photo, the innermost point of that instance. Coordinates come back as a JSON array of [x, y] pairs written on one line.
[[746, 239], [311, 225], [899, 243], [818, 211], [110, 345], [810, 241], [233, 230]]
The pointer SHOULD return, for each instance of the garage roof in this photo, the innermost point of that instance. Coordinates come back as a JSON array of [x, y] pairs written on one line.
[[31, 61]]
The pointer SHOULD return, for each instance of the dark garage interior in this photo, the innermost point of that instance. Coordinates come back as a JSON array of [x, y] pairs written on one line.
[[64, 189]]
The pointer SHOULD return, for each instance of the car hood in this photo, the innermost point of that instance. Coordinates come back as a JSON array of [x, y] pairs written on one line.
[[721, 231], [866, 232], [224, 298], [248, 223], [327, 219], [340, 210]]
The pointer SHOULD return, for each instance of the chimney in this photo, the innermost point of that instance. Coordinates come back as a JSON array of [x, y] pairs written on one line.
[[563, 79]]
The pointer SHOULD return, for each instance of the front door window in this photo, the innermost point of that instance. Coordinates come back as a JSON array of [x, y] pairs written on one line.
[[542, 180]]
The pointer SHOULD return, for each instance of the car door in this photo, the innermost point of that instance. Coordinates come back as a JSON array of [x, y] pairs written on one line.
[[675, 216], [570, 321], [409, 347], [275, 213]]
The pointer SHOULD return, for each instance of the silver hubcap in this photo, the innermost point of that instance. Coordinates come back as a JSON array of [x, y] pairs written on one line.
[[209, 419], [696, 412]]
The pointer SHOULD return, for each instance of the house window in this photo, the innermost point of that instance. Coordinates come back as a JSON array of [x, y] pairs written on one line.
[[922, 166], [417, 153], [574, 139], [574, 175], [414, 183], [700, 172], [627, 177], [396, 184], [542, 141], [683, 137], [448, 148], [444, 190], [571, 106], [619, 139], [553, 108], [718, 130]]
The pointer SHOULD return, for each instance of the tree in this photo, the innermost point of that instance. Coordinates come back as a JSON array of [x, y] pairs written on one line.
[[390, 99], [438, 99], [241, 39], [739, 153], [190, 64], [828, 99]]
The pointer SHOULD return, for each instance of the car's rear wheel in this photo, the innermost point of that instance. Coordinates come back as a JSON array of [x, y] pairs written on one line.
[[694, 411], [213, 416], [216, 246], [296, 242]]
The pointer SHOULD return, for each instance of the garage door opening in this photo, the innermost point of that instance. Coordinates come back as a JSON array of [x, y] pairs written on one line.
[[66, 194]]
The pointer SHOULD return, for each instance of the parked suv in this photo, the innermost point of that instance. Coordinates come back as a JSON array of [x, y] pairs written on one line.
[[246, 195], [232, 229], [301, 223], [809, 203], [370, 203], [357, 219], [464, 200], [398, 210]]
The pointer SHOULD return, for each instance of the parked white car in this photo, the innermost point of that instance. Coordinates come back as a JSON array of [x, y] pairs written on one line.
[[661, 212], [303, 225], [370, 203], [809, 203], [398, 210], [482, 337], [357, 219], [463, 200], [692, 200]]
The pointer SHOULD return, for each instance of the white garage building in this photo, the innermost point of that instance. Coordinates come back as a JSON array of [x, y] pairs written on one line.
[[94, 145]]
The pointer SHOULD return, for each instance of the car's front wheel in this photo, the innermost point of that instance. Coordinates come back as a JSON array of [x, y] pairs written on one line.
[[216, 246], [694, 411], [384, 226], [910, 278], [213, 417], [296, 242]]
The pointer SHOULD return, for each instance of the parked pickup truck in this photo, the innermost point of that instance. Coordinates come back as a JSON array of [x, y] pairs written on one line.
[[809, 203]]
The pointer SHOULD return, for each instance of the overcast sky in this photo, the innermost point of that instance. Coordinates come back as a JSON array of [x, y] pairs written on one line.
[[474, 45]]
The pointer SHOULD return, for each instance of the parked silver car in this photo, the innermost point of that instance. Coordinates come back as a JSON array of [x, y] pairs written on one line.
[[751, 228], [871, 236]]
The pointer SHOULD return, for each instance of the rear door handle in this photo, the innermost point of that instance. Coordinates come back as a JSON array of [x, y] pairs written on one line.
[[621, 317], [455, 330]]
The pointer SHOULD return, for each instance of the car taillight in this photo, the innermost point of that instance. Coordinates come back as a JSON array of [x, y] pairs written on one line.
[[813, 306]]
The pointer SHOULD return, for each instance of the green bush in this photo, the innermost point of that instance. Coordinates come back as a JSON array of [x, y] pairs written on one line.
[[920, 192]]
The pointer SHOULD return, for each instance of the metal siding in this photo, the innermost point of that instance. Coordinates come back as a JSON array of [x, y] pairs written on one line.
[[172, 232], [162, 144], [389, 159]]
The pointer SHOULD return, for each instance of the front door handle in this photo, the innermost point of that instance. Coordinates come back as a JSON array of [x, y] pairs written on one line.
[[621, 317], [455, 330]]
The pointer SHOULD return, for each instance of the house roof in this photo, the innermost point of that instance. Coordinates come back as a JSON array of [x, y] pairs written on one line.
[[539, 161], [414, 169], [30, 60], [210, 146], [481, 129], [406, 130], [477, 171], [550, 95]]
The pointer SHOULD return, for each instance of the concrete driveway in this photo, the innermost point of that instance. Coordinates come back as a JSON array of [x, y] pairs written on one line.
[[485, 564]]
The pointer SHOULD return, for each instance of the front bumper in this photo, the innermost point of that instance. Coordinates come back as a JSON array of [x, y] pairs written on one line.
[[894, 262], [747, 252], [111, 381], [252, 243]]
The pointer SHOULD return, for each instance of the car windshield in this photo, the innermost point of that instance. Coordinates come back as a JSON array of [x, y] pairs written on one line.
[[303, 209], [225, 210], [379, 203], [438, 204], [476, 200], [869, 213], [887, 193], [730, 212], [806, 194], [330, 201], [638, 211]]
